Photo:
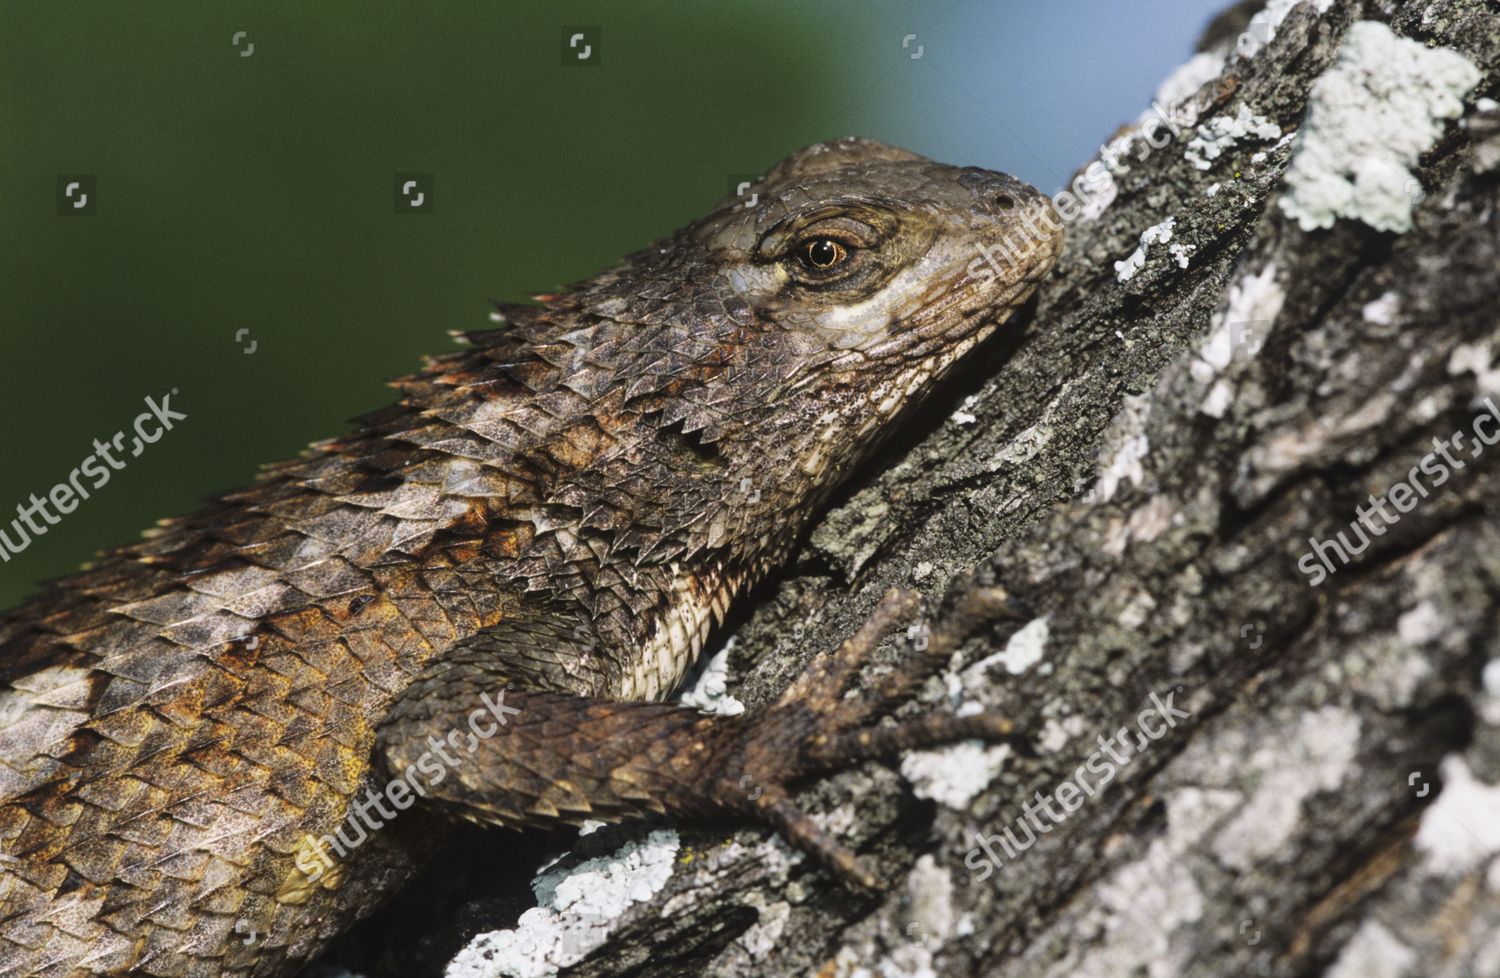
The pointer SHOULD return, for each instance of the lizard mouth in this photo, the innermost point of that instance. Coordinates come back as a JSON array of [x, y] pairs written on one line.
[[983, 275]]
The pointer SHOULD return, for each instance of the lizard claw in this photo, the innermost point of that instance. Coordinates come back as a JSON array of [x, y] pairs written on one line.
[[814, 729], [794, 825]]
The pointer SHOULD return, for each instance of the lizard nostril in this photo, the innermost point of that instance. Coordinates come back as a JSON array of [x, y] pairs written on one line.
[[1005, 202]]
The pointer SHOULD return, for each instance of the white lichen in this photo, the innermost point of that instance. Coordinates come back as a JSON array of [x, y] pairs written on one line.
[[709, 690], [1220, 396], [967, 689], [954, 775], [1477, 359], [760, 938], [1137, 610], [1144, 524], [1382, 311], [1127, 445], [1420, 624], [1025, 647], [1314, 757], [1489, 702], [1146, 913], [930, 891], [1460, 831], [1264, 25], [1254, 303], [575, 913], [1391, 669], [1373, 952], [1056, 734], [1223, 132], [1159, 234], [1370, 117], [913, 939]]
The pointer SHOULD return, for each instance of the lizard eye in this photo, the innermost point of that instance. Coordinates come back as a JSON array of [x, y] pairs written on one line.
[[822, 254]]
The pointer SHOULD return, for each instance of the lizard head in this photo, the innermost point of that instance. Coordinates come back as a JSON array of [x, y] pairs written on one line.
[[837, 291], [873, 259], [772, 342], [879, 268]]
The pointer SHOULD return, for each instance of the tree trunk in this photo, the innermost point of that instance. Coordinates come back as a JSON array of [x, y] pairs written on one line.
[[1249, 759]]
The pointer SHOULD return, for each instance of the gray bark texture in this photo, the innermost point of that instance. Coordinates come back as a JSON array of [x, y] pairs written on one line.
[[1142, 460]]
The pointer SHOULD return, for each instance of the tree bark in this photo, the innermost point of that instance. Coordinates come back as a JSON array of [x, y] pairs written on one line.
[[1142, 460]]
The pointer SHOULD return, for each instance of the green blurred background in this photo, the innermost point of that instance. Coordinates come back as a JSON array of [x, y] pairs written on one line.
[[254, 188]]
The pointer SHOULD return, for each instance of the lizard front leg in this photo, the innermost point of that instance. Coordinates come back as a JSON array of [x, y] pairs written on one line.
[[541, 758]]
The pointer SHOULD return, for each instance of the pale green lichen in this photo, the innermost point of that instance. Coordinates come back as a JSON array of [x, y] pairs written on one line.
[[1370, 118]]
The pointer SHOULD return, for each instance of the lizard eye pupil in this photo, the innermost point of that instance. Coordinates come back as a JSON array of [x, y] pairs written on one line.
[[821, 254]]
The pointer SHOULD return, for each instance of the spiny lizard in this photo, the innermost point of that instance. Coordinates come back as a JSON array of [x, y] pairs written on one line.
[[468, 605]]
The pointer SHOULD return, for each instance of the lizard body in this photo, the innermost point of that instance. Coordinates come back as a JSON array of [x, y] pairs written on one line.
[[566, 508]]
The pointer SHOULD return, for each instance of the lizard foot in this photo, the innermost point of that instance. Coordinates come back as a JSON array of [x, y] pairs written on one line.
[[813, 728]]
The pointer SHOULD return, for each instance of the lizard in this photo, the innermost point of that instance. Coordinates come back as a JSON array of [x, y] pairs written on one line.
[[483, 592]]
